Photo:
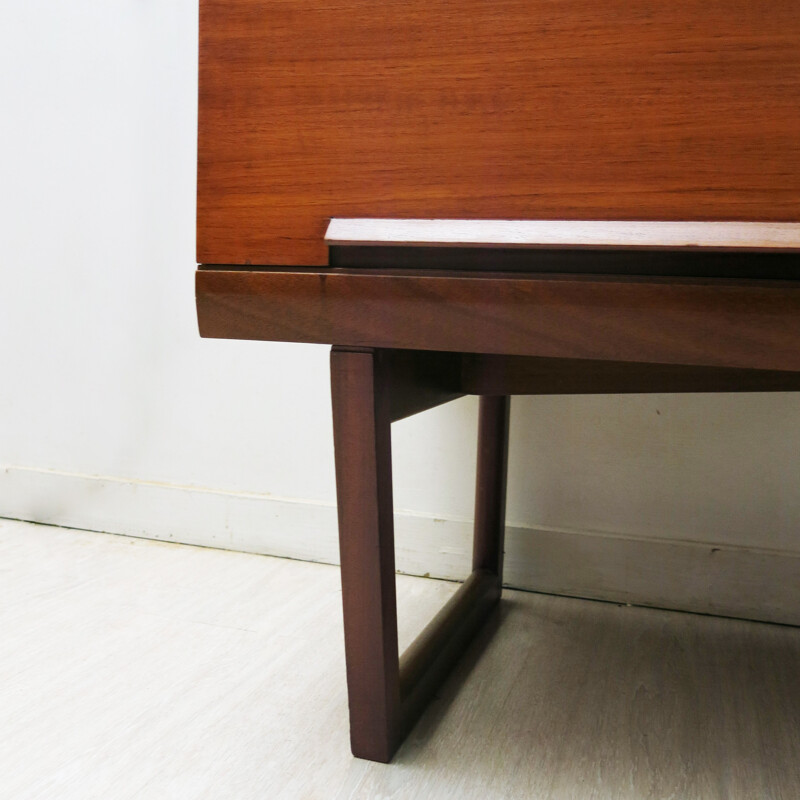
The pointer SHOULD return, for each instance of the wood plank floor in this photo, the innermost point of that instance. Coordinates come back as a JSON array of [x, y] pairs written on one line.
[[138, 669]]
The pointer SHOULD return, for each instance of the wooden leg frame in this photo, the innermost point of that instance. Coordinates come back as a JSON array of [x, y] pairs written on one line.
[[370, 390], [373, 388]]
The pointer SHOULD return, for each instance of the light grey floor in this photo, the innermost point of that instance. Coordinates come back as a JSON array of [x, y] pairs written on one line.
[[137, 669]]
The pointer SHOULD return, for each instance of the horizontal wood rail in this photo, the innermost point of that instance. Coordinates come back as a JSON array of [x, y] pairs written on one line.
[[431, 656], [497, 375], [717, 323]]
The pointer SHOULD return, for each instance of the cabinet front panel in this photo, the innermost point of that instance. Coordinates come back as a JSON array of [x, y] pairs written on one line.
[[509, 109]]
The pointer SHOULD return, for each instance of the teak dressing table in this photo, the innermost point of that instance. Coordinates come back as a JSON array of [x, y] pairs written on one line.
[[516, 197]]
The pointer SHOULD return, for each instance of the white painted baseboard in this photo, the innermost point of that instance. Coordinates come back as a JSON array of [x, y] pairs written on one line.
[[744, 582]]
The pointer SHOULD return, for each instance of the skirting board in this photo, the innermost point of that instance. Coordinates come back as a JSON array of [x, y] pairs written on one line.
[[743, 582]]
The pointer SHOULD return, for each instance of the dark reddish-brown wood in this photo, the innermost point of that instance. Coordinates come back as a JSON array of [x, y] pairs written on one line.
[[416, 381], [528, 109], [386, 693], [493, 374], [362, 442], [490, 486], [720, 323], [370, 389], [430, 657]]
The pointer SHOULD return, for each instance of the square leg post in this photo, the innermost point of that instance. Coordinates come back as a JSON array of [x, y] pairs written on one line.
[[490, 486], [362, 442]]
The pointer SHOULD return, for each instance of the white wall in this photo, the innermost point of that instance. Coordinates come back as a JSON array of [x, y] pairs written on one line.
[[115, 415]]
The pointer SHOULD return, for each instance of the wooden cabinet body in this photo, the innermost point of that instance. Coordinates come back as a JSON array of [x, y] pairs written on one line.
[[572, 110], [489, 109]]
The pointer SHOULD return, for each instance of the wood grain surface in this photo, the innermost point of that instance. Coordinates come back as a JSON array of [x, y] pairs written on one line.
[[363, 449], [493, 374], [717, 323], [511, 109]]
